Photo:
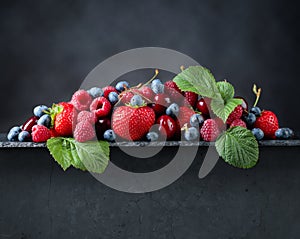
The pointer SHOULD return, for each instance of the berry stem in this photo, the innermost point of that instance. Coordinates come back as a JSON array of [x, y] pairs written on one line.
[[257, 92], [153, 77]]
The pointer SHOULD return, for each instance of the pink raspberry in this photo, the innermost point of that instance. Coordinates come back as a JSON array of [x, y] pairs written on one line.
[[81, 100], [210, 130]]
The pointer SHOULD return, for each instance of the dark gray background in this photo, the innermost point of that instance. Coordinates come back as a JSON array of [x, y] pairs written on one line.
[[48, 47]]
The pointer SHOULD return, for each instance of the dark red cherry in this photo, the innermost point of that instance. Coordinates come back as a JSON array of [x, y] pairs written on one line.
[[202, 105], [27, 126], [101, 126], [167, 126], [160, 103]]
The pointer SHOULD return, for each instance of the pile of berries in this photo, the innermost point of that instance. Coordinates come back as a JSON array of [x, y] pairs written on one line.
[[151, 111]]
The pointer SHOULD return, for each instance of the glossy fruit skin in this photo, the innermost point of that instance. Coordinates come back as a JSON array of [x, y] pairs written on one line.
[[136, 100], [95, 92], [152, 136], [63, 123], [40, 133], [45, 120], [107, 90], [109, 135], [201, 105], [81, 100], [24, 136], [184, 116], [210, 130], [113, 97], [250, 119], [268, 123], [256, 111], [235, 114], [238, 122], [27, 126], [84, 131], [14, 133], [167, 126], [173, 110], [147, 92], [38, 111], [101, 126], [126, 97], [196, 120], [101, 107], [132, 123], [191, 134], [284, 133], [120, 86], [161, 102], [258, 133]]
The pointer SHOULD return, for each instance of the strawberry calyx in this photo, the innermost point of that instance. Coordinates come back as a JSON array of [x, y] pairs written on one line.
[[53, 111]]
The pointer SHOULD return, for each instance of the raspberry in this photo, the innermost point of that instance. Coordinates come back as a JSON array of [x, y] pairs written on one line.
[[100, 107], [238, 122], [84, 131], [209, 131], [190, 98], [184, 115], [81, 100], [86, 116], [40, 133], [235, 114], [107, 90], [172, 90]]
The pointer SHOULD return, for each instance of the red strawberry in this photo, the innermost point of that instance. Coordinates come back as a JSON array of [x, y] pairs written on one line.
[[184, 115], [64, 119], [132, 123], [268, 123], [53, 133], [84, 131], [86, 116], [100, 106], [107, 90], [238, 122], [190, 98], [81, 100], [235, 114], [40, 133], [210, 130]]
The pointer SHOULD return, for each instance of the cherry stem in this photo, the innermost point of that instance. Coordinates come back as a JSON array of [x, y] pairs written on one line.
[[153, 77], [184, 127], [257, 92], [182, 68]]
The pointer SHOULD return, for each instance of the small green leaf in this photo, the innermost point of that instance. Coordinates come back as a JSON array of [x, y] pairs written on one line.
[[226, 90], [199, 80], [60, 152], [222, 109], [238, 147]]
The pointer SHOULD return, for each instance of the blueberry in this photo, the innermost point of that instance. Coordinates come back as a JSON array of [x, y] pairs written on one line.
[[45, 120], [172, 110], [120, 86], [14, 133], [196, 120], [109, 135], [38, 111], [113, 97], [156, 81], [284, 133], [95, 92], [152, 136], [157, 86], [136, 100], [256, 111], [250, 118], [191, 133], [24, 136], [258, 133]]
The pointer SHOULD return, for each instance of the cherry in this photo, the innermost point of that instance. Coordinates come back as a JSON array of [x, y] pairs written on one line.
[[147, 92], [101, 126], [27, 126], [202, 105], [167, 126], [161, 102]]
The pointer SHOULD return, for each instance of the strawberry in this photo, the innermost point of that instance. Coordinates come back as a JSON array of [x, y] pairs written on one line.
[[81, 100], [210, 130], [107, 90], [238, 122], [268, 123], [84, 131], [40, 133], [235, 114], [184, 115], [64, 118], [132, 123], [190, 98], [86, 116], [53, 133]]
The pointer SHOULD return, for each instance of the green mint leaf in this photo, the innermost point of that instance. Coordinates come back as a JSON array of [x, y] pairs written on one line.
[[198, 79], [226, 90], [59, 150], [238, 147], [223, 109], [76, 161], [94, 155]]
